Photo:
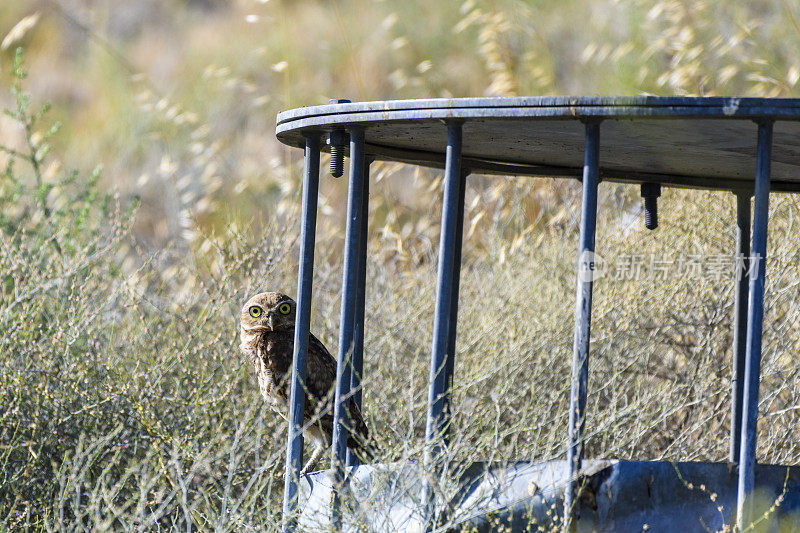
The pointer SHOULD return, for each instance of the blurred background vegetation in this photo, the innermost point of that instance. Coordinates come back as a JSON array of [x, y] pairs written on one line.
[[151, 198]]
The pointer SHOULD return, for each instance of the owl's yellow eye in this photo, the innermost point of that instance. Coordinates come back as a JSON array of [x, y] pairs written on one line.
[[255, 311], [285, 308]]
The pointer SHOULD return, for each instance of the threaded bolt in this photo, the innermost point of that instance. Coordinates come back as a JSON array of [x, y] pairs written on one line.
[[337, 160], [650, 194], [337, 139]]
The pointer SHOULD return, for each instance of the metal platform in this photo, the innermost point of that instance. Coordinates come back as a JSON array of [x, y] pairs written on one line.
[[749, 146], [680, 141], [618, 496]]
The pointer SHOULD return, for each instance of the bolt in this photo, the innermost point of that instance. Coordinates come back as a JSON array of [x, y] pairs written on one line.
[[337, 139], [650, 194]]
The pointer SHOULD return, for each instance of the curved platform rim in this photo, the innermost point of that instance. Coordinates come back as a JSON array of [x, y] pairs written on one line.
[[695, 142], [540, 107]]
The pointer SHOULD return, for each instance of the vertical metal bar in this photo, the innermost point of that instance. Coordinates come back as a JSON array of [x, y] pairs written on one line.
[[450, 356], [341, 418], [358, 331], [436, 422], [294, 444], [740, 317], [755, 318], [583, 314]]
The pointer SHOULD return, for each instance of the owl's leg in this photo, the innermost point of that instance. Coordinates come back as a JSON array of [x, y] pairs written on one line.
[[316, 435], [318, 450]]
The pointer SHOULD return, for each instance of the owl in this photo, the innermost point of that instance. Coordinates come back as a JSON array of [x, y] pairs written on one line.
[[267, 339]]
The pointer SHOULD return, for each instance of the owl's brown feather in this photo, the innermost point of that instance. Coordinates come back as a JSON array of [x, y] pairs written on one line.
[[271, 352]]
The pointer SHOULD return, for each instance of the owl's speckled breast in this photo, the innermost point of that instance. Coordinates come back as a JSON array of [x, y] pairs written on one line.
[[270, 352]]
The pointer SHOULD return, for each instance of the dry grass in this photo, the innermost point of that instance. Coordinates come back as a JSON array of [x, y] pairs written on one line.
[[124, 403]]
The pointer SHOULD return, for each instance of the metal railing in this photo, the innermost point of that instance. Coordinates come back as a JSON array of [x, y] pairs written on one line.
[[748, 312]]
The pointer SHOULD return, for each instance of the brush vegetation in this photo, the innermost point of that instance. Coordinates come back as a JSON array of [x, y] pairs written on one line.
[[143, 205]]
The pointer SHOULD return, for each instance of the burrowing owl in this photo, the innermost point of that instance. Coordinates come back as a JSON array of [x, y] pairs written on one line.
[[267, 339]]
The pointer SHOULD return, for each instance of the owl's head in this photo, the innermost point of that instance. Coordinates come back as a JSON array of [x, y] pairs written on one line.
[[268, 311]]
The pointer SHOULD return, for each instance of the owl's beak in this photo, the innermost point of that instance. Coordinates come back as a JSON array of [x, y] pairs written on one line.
[[269, 322]]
